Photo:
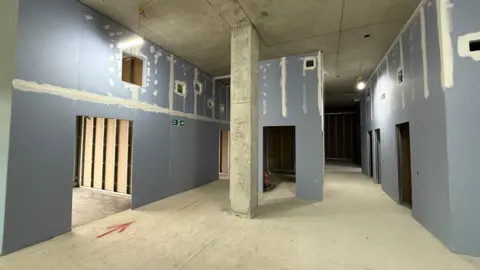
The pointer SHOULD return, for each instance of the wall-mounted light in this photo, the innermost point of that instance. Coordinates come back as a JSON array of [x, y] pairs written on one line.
[[130, 43]]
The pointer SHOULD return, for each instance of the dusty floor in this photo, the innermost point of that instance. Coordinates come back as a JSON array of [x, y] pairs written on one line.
[[356, 227], [89, 205]]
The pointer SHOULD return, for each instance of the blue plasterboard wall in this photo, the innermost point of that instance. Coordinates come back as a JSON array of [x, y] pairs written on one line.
[[66, 44], [444, 147], [304, 110]]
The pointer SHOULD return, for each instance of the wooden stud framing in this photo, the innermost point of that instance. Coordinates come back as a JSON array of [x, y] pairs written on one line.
[[88, 153], [106, 154], [122, 169], [110, 155], [98, 154]]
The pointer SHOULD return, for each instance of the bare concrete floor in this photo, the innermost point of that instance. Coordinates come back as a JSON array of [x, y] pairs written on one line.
[[356, 227], [89, 205]]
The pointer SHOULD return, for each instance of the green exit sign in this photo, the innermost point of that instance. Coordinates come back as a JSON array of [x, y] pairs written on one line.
[[178, 122]]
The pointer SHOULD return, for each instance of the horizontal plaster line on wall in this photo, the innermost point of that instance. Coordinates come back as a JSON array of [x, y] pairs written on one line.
[[75, 94]]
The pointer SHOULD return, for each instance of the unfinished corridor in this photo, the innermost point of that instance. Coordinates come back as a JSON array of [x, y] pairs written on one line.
[[356, 227]]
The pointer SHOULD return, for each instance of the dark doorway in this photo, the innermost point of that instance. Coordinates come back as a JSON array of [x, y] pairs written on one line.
[[404, 164], [279, 161], [370, 154], [378, 159], [279, 149]]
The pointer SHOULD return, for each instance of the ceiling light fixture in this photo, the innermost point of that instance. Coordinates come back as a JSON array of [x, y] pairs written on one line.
[[130, 43], [361, 84]]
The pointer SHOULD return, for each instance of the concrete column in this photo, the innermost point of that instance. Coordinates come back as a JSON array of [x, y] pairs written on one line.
[[8, 28], [244, 121]]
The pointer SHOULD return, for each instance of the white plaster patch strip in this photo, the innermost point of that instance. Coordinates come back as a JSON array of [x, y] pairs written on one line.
[[75, 94], [195, 80], [426, 90], [320, 84], [444, 8], [401, 69], [172, 81], [283, 83], [464, 46]]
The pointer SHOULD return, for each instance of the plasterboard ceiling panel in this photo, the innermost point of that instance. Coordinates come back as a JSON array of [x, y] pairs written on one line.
[[281, 21], [358, 13]]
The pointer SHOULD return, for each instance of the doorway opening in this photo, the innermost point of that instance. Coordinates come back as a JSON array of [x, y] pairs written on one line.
[[370, 154], [378, 159], [279, 161], [224, 153], [404, 165], [103, 168]]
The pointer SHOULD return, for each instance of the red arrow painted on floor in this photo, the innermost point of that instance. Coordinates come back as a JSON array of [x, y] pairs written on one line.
[[120, 228]]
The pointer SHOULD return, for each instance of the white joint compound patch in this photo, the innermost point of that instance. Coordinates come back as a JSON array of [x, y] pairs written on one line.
[[112, 34], [195, 96], [143, 90], [283, 83], [119, 33], [88, 17], [320, 80], [106, 27], [444, 20], [134, 89], [426, 90], [401, 69], [152, 49], [155, 82], [464, 46], [155, 93], [111, 83], [264, 107], [111, 69], [172, 82]]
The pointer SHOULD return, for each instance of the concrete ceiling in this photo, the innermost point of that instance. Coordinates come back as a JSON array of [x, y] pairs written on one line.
[[198, 31]]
